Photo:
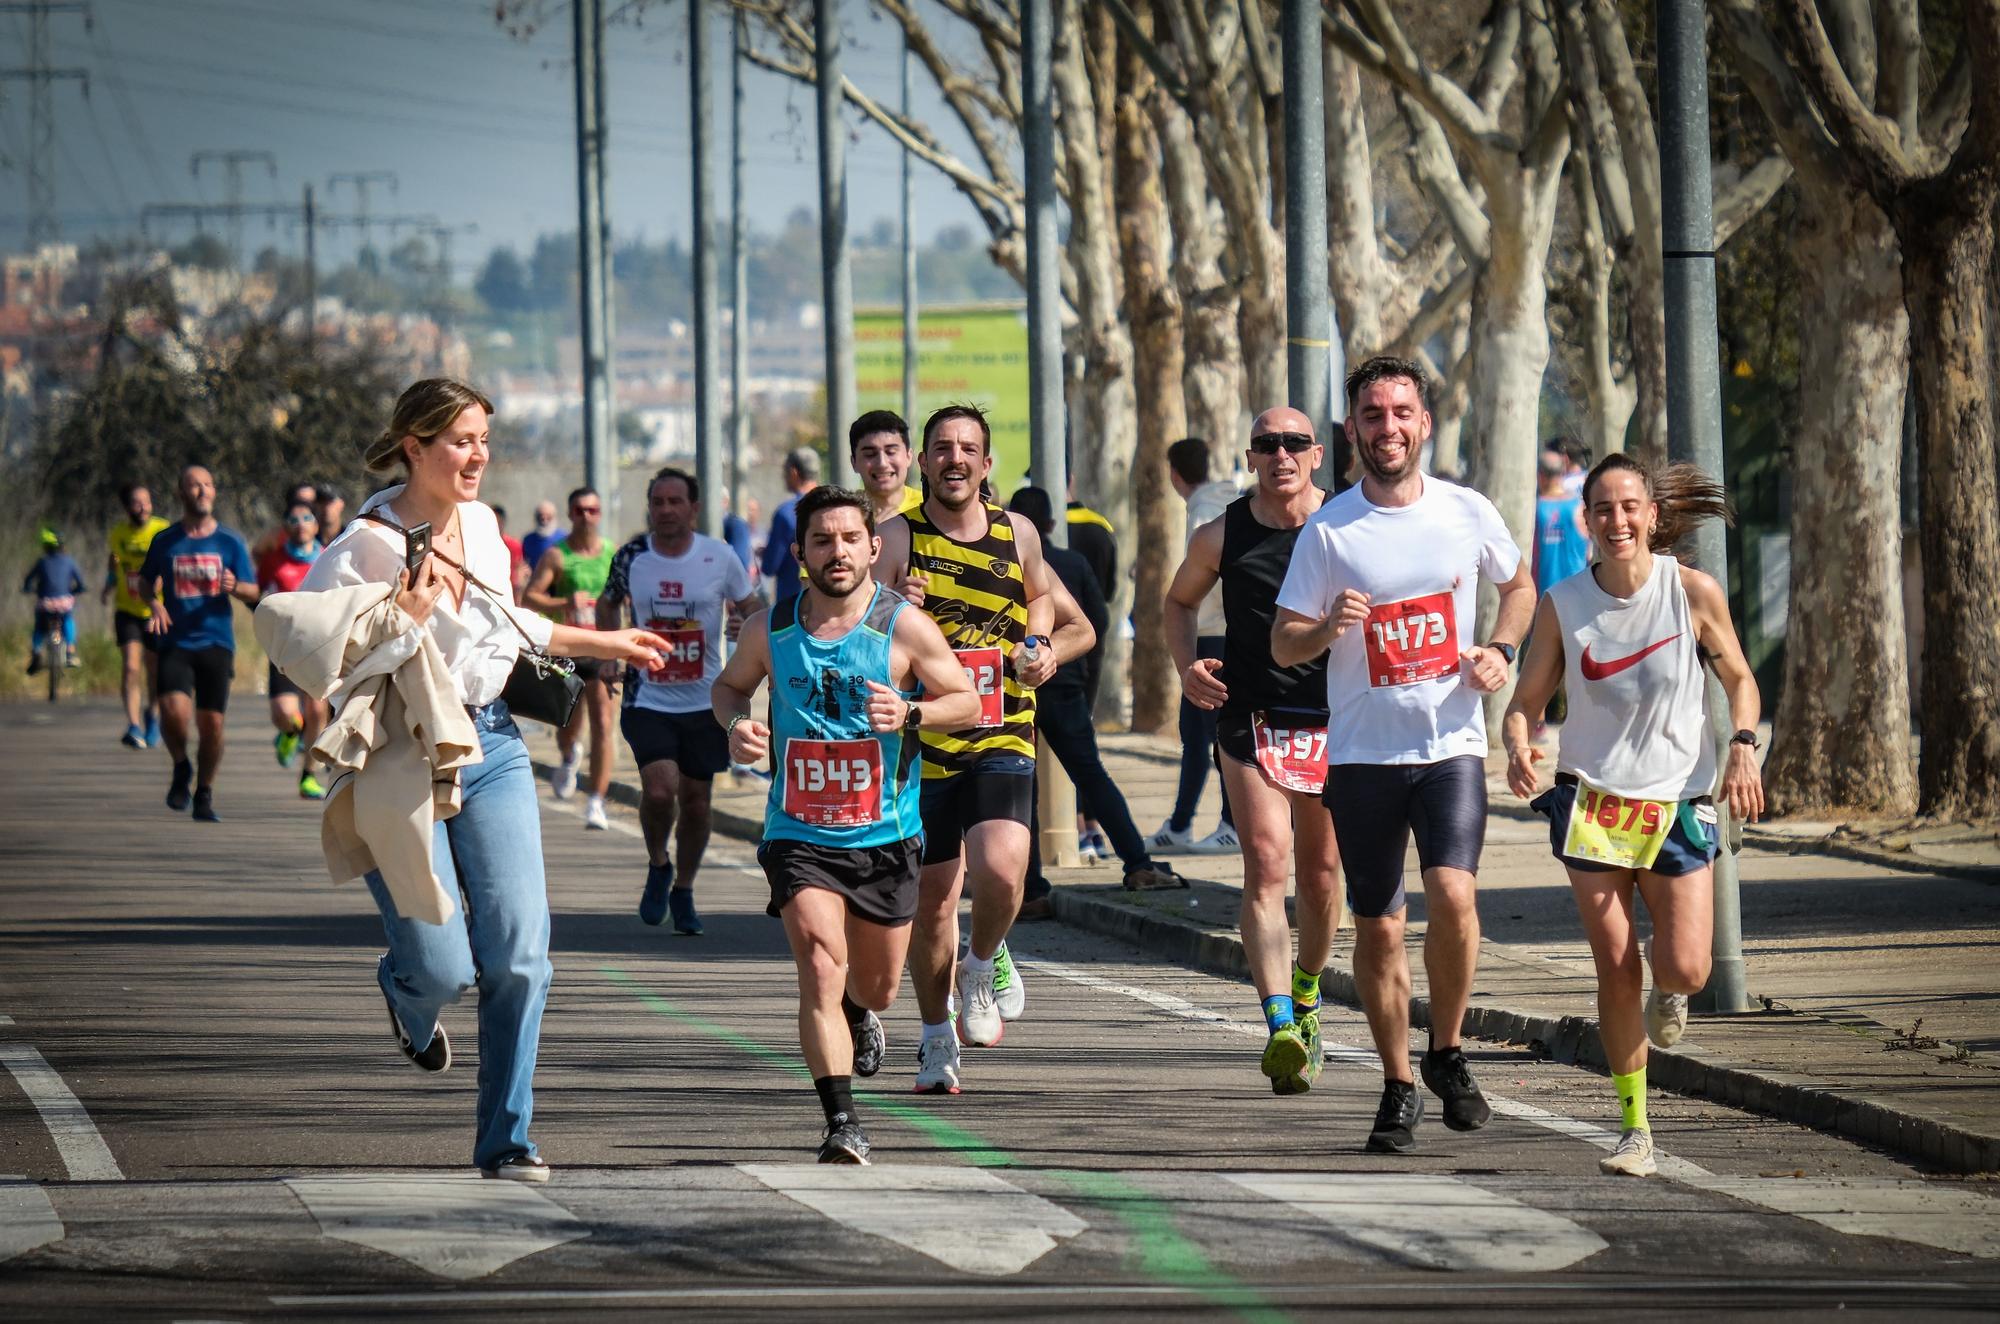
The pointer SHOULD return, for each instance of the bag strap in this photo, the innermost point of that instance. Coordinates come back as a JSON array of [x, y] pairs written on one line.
[[506, 609]]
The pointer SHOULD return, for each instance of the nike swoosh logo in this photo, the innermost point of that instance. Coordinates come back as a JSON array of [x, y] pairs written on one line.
[[1595, 670]]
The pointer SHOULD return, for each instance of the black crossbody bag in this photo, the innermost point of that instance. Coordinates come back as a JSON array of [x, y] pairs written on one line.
[[541, 688]]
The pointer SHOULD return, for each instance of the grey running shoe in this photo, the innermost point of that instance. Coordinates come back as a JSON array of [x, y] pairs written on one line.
[[1666, 1017], [869, 1045], [845, 1142], [1633, 1157]]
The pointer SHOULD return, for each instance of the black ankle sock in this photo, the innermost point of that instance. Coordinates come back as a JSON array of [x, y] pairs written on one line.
[[854, 1011], [836, 1098]]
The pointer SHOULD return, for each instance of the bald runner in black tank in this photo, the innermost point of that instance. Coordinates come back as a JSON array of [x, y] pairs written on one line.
[[1254, 559]]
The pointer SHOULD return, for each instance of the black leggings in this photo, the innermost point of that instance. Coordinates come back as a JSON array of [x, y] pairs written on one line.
[[1376, 807]]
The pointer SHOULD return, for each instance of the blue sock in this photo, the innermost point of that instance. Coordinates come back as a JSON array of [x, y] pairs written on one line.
[[1278, 1011]]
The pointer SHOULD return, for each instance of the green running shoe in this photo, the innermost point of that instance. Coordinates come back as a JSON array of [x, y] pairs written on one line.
[[1285, 1057], [1308, 1024], [287, 745], [310, 789], [1009, 995]]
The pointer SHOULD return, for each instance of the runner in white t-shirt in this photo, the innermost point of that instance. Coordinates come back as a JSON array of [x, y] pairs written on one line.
[[1384, 579], [691, 590]]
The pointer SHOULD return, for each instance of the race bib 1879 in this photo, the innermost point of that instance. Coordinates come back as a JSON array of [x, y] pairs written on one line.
[[984, 667], [833, 783], [1412, 640]]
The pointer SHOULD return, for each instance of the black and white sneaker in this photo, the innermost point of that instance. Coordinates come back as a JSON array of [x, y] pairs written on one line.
[[521, 1167], [1396, 1120], [435, 1056], [1447, 1076], [845, 1142], [870, 1043]]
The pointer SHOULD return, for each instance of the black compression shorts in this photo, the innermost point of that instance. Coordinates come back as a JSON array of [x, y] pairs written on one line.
[[127, 628], [1000, 786], [203, 672], [1376, 809], [879, 883], [694, 741]]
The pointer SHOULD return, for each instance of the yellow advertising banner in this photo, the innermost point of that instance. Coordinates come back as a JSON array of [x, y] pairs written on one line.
[[969, 354]]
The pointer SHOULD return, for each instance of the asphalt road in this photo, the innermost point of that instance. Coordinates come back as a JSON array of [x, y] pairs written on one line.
[[224, 1129]]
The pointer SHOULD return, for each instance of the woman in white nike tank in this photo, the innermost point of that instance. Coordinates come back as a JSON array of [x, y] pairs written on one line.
[[1633, 802]]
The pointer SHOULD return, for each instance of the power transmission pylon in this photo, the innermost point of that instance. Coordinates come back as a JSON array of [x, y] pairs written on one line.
[[361, 181], [41, 77], [233, 161]]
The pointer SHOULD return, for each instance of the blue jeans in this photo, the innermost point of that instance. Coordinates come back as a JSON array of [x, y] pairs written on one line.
[[491, 852], [1198, 752]]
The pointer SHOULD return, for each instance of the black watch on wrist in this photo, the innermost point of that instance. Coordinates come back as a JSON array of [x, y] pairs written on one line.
[[1504, 650], [1744, 737], [913, 716]]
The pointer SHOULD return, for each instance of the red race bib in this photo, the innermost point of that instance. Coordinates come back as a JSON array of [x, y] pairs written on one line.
[[834, 783], [1291, 757], [686, 654], [197, 575], [984, 667], [1412, 640], [582, 618]]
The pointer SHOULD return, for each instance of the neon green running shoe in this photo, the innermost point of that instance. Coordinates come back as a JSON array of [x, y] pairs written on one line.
[[1009, 995], [287, 745], [1308, 1024], [1285, 1057], [310, 789]]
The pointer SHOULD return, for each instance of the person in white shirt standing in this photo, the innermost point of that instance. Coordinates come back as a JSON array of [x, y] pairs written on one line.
[[491, 849], [1384, 579], [679, 584], [1633, 805]]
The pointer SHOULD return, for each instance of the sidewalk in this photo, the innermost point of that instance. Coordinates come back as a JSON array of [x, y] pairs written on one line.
[[1875, 963]]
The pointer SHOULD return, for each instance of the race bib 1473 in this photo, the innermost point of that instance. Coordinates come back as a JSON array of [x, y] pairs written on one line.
[[1412, 640]]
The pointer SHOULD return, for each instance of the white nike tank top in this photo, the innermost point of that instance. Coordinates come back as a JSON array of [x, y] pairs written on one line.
[[1638, 701]]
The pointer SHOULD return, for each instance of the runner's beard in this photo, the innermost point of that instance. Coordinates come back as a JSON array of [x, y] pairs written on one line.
[[971, 490], [818, 578], [1380, 472]]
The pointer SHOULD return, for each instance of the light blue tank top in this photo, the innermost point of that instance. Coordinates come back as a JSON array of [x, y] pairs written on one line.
[[838, 783]]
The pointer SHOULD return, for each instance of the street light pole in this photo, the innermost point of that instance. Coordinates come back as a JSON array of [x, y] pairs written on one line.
[[1694, 393], [597, 464], [1308, 325], [838, 281], [707, 455], [739, 276], [909, 262]]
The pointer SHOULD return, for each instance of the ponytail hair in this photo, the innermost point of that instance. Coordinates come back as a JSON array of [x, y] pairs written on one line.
[[1685, 494], [423, 411]]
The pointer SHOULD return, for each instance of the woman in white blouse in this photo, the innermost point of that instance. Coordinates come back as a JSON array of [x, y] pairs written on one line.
[[491, 850]]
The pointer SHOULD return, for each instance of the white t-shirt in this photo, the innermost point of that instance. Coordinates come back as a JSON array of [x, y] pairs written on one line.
[[680, 598], [477, 639], [1395, 688]]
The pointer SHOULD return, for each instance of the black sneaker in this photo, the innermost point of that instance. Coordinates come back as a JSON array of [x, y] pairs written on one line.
[[177, 793], [1396, 1120], [204, 806], [436, 1055], [845, 1142], [680, 900], [522, 1167], [1447, 1076], [869, 1045], [653, 901]]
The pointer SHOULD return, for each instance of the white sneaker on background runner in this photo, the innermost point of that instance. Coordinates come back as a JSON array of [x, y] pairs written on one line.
[[937, 1065], [979, 1022], [1169, 838], [563, 780], [593, 814], [1222, 841], [1633, 1157], [1010, 995], [1666, 1017]]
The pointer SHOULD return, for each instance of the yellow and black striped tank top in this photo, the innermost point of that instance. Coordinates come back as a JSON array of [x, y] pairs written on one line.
[[979, 598]]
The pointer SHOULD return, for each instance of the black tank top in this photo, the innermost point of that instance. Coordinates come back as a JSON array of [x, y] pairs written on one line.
[[1254, 560]]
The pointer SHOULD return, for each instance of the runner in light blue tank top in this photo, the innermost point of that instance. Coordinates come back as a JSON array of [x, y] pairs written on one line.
[[844, 799]]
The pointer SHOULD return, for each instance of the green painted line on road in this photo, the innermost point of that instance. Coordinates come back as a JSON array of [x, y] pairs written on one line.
[[1162, 1251]]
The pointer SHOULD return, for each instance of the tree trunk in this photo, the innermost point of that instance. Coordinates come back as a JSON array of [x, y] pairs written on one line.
[[1212, 364], [1261, 327], [1448, 453], [1841, 732], [1947, 237], [1154, 315], [1356, 276]]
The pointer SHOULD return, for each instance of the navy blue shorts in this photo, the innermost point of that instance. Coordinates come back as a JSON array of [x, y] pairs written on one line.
[[1690, 843], [1000, 786]]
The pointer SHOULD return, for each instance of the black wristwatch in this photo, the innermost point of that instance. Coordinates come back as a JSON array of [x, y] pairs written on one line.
[[913, 717], [1744, 737], [1504, 650]]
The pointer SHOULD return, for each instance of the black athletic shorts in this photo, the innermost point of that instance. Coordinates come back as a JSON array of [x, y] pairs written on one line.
[[128, 629], [278, 683], [203, 672], [1232, 730], [1001, 786], [879, 883], [694, 741], [1376, 807]]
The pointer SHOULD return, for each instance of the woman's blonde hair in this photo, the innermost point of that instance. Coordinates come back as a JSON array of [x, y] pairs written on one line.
[[423, 411]]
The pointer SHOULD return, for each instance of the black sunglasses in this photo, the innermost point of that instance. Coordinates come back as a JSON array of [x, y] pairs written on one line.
[[1293, 443]]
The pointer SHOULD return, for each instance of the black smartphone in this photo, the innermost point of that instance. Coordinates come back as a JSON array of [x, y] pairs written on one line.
[[416, 545]]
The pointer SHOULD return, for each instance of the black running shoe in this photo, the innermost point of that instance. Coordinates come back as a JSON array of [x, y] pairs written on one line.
[[1396, 1120], [653, 901], [1446, 1075], [845, 1142], [177, 793], [680, 900], [204, 806], [436, 1055], [869, 1045]]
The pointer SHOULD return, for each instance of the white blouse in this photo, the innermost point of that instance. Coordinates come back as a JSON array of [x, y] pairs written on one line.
[[477, 639]]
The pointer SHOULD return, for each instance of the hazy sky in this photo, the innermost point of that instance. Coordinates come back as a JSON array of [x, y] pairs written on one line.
[[478, 126]]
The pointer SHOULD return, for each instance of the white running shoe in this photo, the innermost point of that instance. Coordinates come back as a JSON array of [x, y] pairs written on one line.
[[1222, 841], [937, 1065], [1666, 1017], [979, 1022], [1169, 839], [1086, 849], [1633, 1157], [593, 814], [1009, 994], [563, 780]]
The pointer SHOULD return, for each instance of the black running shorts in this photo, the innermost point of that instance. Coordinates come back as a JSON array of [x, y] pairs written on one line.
[[1233, 734], [127, 628], [1377, 807], [879, 883], [693, 741], [278, 683], [1000, 786], [203, 672]]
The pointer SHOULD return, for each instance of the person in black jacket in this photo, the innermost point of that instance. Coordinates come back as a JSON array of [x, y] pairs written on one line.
[[1063, 718]]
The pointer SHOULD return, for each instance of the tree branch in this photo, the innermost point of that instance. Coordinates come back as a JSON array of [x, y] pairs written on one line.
[[1762, 67], [1741, 199], [1871, 145], [1395, 59], [1148, 50]]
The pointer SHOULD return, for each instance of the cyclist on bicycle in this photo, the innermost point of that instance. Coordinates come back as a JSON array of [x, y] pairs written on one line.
[[55, 581]]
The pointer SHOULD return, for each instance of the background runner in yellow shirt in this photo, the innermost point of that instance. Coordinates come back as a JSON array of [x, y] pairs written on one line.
[[129, 542]]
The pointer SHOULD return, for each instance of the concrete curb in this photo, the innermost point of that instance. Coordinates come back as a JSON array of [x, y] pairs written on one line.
[[1573, 1040]]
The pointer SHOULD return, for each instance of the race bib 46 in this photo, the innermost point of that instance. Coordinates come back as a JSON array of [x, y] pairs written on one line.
[[1412, 640]]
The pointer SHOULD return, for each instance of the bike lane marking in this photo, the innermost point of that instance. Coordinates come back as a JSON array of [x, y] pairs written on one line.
[[81, 1148]]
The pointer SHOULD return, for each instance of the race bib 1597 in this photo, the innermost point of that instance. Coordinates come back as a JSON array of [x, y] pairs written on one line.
[[1291, 757]]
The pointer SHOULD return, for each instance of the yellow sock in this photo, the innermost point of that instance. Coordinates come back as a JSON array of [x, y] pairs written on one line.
[[1631, 1089]]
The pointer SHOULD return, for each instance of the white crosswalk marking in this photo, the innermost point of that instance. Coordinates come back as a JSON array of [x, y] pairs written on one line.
[[454, 1227], [27, 1220], [1438, 1222], [965, 1218], [1948, 1218]]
